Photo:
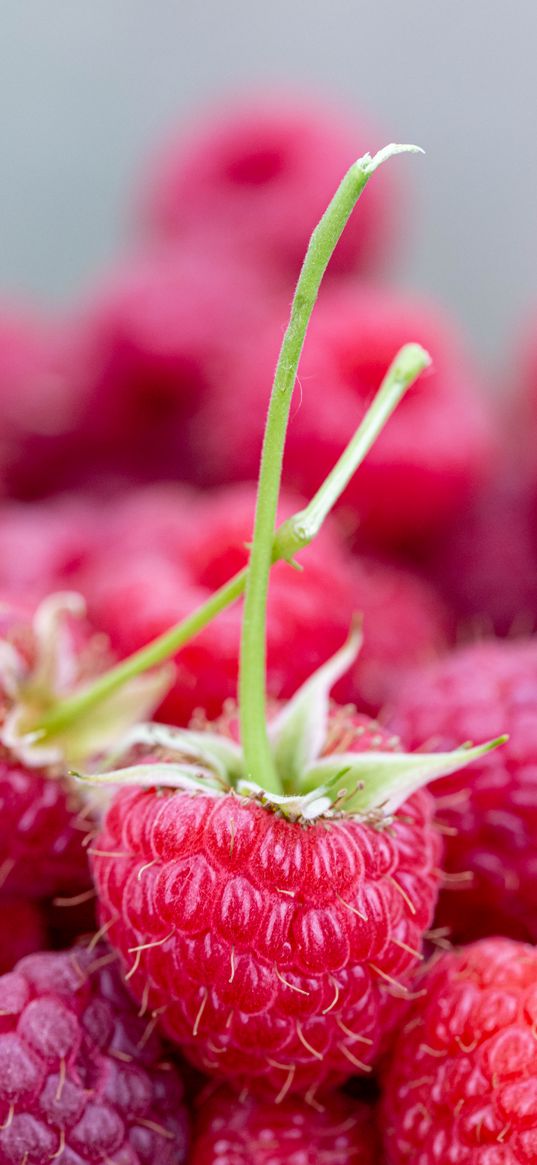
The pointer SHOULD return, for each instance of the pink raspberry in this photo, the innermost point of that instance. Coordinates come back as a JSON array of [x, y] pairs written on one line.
[[176, 549], [22, 927], [461, 1088], [261, 172], [434, 453], [83, 1079], [274, 953], [490, 812], [239, 1132]]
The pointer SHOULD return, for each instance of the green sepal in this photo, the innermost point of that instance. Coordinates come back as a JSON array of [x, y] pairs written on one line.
[[168, 775], [297, 733], [368, 782]]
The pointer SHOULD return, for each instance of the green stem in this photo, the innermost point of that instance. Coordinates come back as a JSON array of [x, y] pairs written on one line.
[[61, 715], [292, 536], [259, 762], [299, 530]]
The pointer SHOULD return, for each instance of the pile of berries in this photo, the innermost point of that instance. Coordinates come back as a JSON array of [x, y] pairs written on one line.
[[236, 924]]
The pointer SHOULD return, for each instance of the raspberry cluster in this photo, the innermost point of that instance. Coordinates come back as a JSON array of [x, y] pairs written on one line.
[[227, 899]]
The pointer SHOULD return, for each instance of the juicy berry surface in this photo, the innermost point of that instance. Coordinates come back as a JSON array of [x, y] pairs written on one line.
[[274, 954], [461, 1088], [230, 1131], [490, 810], [83, 1080]]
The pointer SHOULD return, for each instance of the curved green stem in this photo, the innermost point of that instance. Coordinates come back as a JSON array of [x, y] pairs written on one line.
[[292, 536], [300, 529], [67, 711], [259, 763]]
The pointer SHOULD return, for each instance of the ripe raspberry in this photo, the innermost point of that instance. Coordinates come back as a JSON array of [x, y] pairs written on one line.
[[262, 173], [490, 812], [22, 927], [148, 346], [41, 832], [82, 1079], [41, 823], [461, 1088], [39, 404], [271, 950], [486, 566], [46, 546], [170, 562], [434, 452], [239, 1132]]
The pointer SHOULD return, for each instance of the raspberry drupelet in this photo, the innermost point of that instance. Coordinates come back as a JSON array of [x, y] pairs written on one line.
[[83, 1079], [461, 1087]]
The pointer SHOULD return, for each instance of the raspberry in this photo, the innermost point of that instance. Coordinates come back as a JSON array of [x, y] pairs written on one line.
[[22, 929], [462, 1082], [486, 566], [82, 1078], [489, 813], [271, 950], [146, 349], [41, 823], [46, 546], [39, 404], [233, 1132], [40, 832], [434, 452], [176, 549], [261, 173]]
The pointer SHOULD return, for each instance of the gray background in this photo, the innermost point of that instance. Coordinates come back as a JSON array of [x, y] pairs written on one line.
[[87, 86]]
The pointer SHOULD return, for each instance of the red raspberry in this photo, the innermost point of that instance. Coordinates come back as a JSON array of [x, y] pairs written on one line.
[[489, 812], [240, 1132], [147, 348], [82, 1078], [46, 546], [461, 1088], [41, 834], [39, 404], [262, 173], [176, 550], [41, 823], [486, 566], [270, 950], [22, 928], [434, 451]]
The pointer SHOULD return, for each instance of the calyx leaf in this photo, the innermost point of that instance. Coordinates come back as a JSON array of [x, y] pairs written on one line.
[[55, 670], [361, 784], [364, 782], [298, 732]]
